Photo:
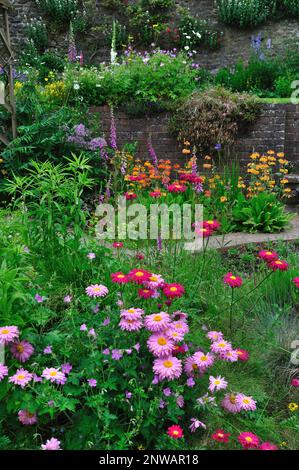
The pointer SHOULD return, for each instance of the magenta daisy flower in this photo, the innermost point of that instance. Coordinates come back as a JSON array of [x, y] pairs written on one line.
[[130, 325], [221, 346], [132, 313], [159, 345], [51, 444], [96, 290], [173, 290], [248, 440], [8, 334], [22, 350], [157, 321], [217, 383], [22, 377], [175, 335], [245, 403], [232, 280], [54, 375], [168, 368], [3, 371], [203, 360], [268, 255], [268, 446], [27, 418], [278, 265], [230, 404]]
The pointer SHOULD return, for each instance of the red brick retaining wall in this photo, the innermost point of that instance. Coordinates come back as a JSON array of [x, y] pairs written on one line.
[[276, 128]]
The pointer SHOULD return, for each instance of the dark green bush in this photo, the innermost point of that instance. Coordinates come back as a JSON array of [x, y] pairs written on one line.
[[245, 13]]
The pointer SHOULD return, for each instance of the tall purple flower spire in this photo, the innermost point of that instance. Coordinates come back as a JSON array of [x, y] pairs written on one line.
[[113, 138], [152, 153], [72, 51]]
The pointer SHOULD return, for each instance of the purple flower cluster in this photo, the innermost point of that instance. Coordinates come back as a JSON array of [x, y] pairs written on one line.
[[81, 138]]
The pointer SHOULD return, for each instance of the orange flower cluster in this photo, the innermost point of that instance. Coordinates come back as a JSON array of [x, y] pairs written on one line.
[[145, 174], [268, 173]]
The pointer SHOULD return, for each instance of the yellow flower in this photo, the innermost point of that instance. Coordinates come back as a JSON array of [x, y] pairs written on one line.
[[284, 181], [223, 199], [293, 406]]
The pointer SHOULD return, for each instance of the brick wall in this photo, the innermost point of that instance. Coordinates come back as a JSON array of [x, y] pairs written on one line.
[[236, 43], [276, 128]]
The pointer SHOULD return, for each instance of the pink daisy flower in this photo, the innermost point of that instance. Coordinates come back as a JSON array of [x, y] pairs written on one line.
[[294, 383], [8, 334], [175, 432], [130, 325], [22, 377], [245, 403], [154, 281], [54, 375], [159, 345], [217, 383], [168, 368], [206, 400], [268, 446], [96, 290], [243, 355], [27, 418], [117, 244], [173, 290], [296, 282], [215, 335], [204, 232], [176, 188], [175, 335], [220, 436], [157, 321], [278, 265], [211, 224], [51, 444], [221, 346], [132, 313], [268, 255], [119, 278], [139, 275], [3, 371], [230, 403], [190, 365], [203, 360], [22, 350], [229, 356], [248, 440], [180, 326], [232, 281]]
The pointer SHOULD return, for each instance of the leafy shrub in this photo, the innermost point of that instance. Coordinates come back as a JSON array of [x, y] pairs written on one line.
[[214, 116], [245, 13], [194, 32], [258, 75], [261, 213], [291, 6], [61, 12], [283, 87], [36, 31]]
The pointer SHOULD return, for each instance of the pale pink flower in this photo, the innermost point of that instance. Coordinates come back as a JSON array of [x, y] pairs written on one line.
[[22, 377], [132, 313], [51, 444], [245, 402], [221, 346], [157, 321], [96, 290], [22, 350], [168, 368], [3, 371], [203, 360], [195, 424], [159, 345], [8, 334], [215, 335], [54, 375], [229, 356], [230, 403], [27, 418], [130, 325], [217, 383]]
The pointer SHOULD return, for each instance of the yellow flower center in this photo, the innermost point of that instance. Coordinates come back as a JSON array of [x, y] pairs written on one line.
[[21, 377], [131, 310], [168, 364], [5, 331], [233, 278], [248, 439], [157, 318], [162, 341], [217, 382], [173, 289], [139, 274], [53, 373], [20, 348], [204, 358], [175, 433]]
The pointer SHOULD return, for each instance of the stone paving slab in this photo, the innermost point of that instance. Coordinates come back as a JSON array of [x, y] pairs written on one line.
[[240, 238]]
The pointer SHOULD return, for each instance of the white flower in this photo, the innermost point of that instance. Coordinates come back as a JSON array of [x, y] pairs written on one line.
[[76, 86], [186, 48]]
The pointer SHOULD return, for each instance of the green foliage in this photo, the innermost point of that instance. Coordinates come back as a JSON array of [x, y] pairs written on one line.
[[61, 12], [213, 117], [290, 6], [261, 213], [36, 31], [245, 13]]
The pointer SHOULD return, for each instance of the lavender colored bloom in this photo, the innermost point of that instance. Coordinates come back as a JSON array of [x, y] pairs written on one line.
[[66, 368], [48, 350], [117, 354], [96, 308], [167, 392], [91, 256], [162, 404], [26, 249], [113, 138], [67, 299], [180, 401], [106, 321], [137, 347], [92, 382], [128, 394], [159, 244], [39, 298], [92, 332], [190, 382], [218, 147], [106, 352], [83, 327], [36, 378], [96, 144], [195, 424], [155, 380]]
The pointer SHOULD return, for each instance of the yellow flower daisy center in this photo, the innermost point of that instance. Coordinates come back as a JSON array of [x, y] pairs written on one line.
[[162, 341], [233, 278], [21, 377], [173, 289], [157, 318], [20, 348], [175, 433], [131, 310], [5, 331], [139, 274], [53, 373], [248, 439], [203, 358], [168, 364]]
